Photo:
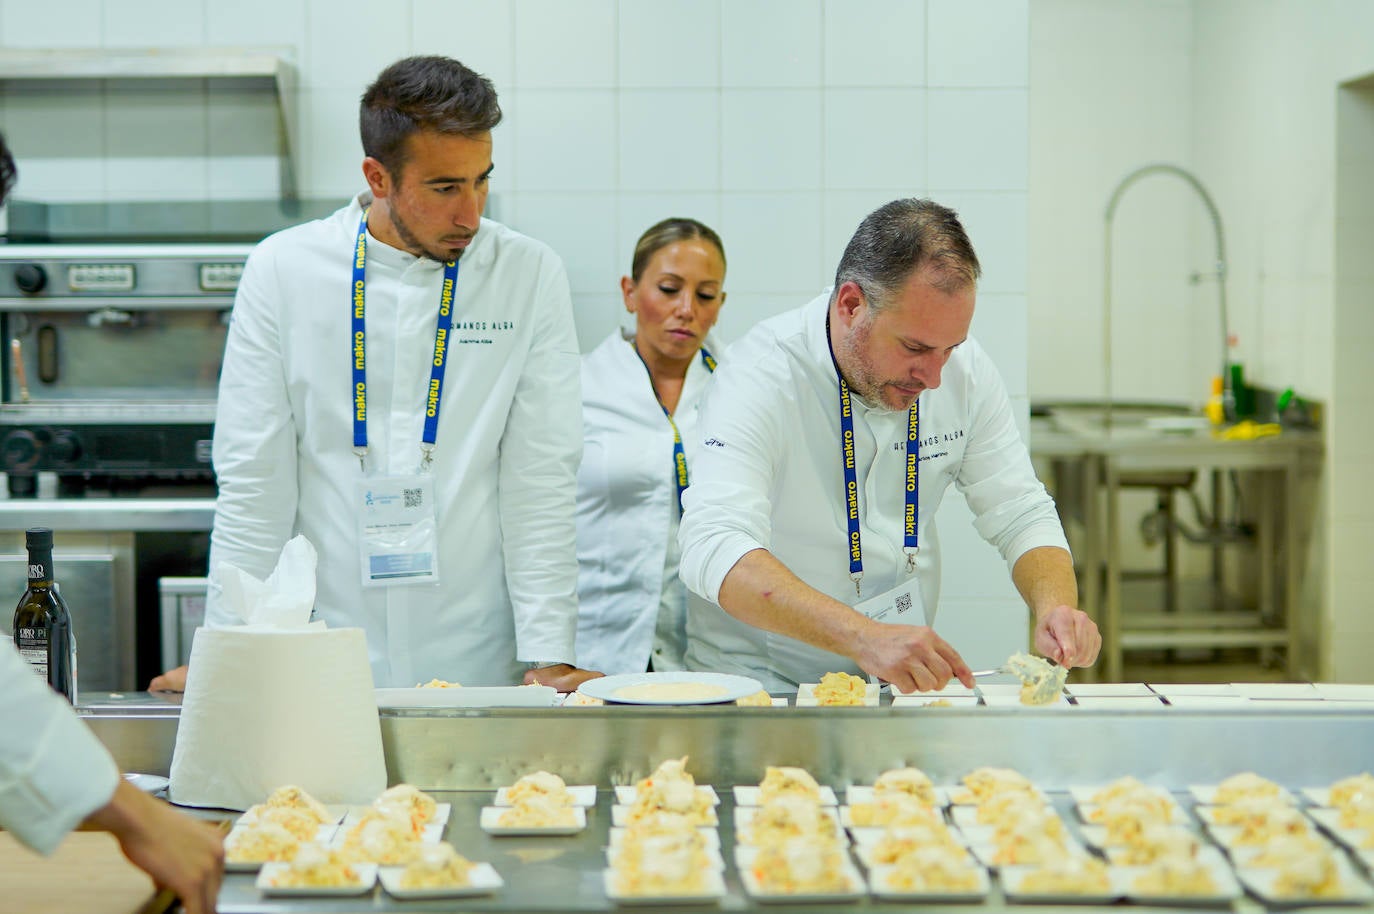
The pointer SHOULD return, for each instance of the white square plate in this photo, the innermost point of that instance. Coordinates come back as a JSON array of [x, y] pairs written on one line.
[[930, 701], [626, 795], [620, 816], [491, 815], [483, 880], [1013, 700], [855, 889], [1086, 811], [1108, 689], [1211, 702], [1014, 876], [955, 689], [1353, 838], [1272, 690], [985, 851], [1317, 796], [323, 835], [867, 836], [714, 889], [582, 795], [367, 878], [1120, 702], [878, 883], [966, 817], [1206, 795], [1116, 854], [1192, 689], [863, 793], [712, 855], [712, 837], [748, 795], [744, 818], [806, 696], [959, 795], [1261, 882], [1083, 794], [441, 813], [1344, 691], [336, 813], [1228, 889], [1244, 857], [432, 834]]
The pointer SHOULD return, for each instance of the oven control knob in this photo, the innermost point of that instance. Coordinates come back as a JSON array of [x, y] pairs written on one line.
[[19, 450], [64, 448], [30, 278]]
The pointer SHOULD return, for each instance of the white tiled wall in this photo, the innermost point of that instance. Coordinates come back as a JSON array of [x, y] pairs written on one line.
[[779, 122]]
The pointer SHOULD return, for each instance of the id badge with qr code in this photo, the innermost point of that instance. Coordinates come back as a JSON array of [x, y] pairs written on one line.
[[902, 605], [397, 530]]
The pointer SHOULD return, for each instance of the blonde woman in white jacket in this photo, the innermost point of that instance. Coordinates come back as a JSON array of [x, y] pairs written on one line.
[[640, 393]]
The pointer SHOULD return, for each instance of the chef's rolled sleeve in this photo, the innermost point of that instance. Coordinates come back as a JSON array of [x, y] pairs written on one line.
[[53, 771]]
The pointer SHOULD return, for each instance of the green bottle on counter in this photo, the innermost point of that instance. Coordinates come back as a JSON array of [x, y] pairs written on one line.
[[42, 623]]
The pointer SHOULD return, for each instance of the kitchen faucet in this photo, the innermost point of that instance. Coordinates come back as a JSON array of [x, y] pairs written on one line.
[[1220, 273]]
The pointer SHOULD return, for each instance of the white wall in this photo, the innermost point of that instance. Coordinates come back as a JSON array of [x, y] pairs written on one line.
[[1111, 88], [778, 122], [1244, 94], [1266, 126]]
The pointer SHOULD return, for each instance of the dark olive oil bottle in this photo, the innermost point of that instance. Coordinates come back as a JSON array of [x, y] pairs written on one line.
[[42, 625]]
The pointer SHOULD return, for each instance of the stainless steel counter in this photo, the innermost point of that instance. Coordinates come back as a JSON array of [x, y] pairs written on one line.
[[466, 754], [107, 514]]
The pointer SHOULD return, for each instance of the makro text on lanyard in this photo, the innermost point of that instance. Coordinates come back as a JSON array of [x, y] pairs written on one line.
[[438, 365], [851, 480], [679, 454]]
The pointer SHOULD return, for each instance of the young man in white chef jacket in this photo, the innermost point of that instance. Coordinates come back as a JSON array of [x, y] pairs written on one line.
[[828, 442], [400, 385]]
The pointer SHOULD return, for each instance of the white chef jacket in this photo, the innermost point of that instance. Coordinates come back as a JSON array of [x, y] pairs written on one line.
[[630, 598], [53, 771], [505, 460], [770, 475]]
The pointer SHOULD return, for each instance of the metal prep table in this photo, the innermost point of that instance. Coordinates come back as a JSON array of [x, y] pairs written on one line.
[[1091, 461], [464, 755]]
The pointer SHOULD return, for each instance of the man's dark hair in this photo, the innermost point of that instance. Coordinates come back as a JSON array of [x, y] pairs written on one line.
[[9, 173], [901, 237], [424, 93]]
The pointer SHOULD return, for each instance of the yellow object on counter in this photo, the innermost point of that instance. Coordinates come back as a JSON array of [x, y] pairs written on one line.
[[1248, 430]]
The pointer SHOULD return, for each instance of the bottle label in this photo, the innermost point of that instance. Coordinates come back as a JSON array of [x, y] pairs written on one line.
[[33, 647]]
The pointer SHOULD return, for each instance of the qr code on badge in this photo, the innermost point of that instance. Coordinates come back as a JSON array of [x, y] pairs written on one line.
[[413, 497], [903, 603]]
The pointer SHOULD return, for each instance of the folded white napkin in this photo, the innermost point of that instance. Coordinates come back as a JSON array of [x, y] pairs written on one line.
[[284, 600]]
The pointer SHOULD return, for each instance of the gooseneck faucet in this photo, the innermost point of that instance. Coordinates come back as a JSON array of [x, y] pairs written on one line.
[[1130, 179]]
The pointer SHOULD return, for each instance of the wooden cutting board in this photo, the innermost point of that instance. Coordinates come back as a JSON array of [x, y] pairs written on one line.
[[87, 874]]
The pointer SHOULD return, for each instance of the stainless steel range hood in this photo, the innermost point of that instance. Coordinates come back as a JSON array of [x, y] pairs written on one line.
[[269, 69]]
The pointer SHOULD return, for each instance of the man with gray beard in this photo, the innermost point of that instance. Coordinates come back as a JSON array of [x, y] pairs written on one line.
[[829, 441]]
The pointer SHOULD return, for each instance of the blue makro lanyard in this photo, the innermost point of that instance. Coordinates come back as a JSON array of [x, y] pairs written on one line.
[[679, 455], [438, 363], [851, 479]]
